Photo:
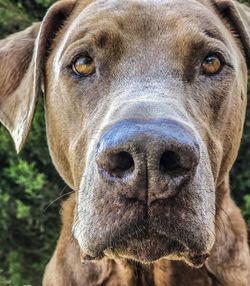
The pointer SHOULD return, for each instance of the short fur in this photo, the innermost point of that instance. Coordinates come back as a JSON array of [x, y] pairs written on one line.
[[148, 56]]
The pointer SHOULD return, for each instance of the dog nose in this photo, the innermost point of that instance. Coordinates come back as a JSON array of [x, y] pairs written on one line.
[[154, 155]]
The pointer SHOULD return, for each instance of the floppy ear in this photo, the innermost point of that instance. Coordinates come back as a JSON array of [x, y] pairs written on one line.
[[238, 17], [22, 59]]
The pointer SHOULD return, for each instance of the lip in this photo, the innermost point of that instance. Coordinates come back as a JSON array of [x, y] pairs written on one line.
[[148, 247], [198, 260], [157, 248]]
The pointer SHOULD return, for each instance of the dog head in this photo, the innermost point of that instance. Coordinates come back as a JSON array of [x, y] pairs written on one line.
[[145, 104]]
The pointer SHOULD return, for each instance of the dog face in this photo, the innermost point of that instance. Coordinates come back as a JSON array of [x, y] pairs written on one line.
[[145, 103]]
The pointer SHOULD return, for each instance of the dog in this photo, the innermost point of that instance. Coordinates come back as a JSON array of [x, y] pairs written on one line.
[[145, 104]]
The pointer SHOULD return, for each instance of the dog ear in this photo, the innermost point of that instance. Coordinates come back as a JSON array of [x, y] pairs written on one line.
[[22, 60], [238, 17]]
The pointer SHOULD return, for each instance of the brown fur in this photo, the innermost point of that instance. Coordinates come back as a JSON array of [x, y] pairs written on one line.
[[148, 54]]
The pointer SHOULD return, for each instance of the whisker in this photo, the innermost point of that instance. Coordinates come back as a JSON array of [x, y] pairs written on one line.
[[61, 196]]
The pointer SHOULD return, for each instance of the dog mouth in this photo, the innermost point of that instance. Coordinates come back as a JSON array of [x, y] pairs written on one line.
[[155, 248], [141, 244]]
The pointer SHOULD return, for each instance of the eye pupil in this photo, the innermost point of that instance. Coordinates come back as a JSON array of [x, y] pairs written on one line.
[[210, 60], [83, 66], [85, 61]]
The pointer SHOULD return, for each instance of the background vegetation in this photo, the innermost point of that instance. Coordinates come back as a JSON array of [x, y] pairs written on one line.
[[29, 224]]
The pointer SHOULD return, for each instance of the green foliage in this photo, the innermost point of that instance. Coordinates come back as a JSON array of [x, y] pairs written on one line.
[[28, 231], [241, 172], [28, 182], [8, 12]]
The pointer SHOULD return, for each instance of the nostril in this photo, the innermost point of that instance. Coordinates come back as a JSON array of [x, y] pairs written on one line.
[[120, 164], [170, 163]]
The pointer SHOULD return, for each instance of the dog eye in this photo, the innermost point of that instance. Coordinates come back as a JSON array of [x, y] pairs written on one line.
[[211, 65], [84, 66]]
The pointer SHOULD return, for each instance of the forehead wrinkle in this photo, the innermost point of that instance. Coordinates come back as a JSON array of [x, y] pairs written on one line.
[[62, 45], [94, 12], [174, 14]]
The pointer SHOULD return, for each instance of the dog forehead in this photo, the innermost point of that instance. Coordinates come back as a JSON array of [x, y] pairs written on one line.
[[130, 12], [118, 4], [137, 18]]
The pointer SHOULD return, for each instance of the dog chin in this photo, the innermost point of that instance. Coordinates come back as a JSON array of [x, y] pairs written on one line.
[[152, 249], [148, 251]]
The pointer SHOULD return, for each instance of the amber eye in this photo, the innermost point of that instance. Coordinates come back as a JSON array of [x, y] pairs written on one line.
[[84, 66], [211, 65]]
